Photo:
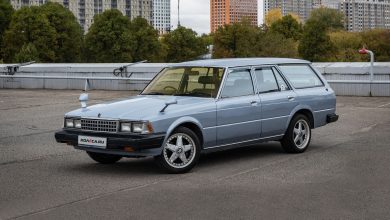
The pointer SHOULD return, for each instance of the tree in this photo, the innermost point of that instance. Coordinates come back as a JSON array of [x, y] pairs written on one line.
[[329, 18], [272, 16], [346, 45], [183, 44], [109, 38], [315, 44], [144, 40], [69, 36], [273, 44], [6, 11], [288, 26], [30, 26], [379, 42], [236, 40], [27, 53]]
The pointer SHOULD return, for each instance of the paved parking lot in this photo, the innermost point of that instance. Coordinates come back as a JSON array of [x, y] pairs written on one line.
[[344, 175]]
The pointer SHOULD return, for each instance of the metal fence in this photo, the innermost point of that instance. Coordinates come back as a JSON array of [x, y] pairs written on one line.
[[345, 78]]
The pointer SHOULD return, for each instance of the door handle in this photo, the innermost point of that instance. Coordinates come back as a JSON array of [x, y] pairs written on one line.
[[290, 98], [253, 102]]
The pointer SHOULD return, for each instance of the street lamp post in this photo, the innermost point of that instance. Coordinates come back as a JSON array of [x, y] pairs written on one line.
[[178, 13], [365, 51]]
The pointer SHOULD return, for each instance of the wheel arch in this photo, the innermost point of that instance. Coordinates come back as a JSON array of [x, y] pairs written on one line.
[[190, 123], [306, 111]]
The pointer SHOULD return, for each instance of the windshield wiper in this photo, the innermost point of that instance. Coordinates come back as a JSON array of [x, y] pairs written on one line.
[[197, 94], [153, 93]]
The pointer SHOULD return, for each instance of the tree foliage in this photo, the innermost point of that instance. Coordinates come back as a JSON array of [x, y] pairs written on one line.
[[236, 40], [30, 26], [183, 44], [49, 33], [345, 47], [272, 16], [6, 11], [244, 40], [109, 38], [315, 44], [68, 33], [379, 42], [144, 41], [288, 26], [27, 53]]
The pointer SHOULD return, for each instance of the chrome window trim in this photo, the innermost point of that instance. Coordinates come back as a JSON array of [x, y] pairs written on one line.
[[302, 64], [225, 77]]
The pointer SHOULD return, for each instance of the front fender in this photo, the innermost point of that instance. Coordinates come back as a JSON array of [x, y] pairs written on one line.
[[178, 122]]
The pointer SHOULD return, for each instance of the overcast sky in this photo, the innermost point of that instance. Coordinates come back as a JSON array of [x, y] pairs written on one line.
[[195, 14]]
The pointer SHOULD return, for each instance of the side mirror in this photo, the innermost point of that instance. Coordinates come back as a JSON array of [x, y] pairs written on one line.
[[83, 100]]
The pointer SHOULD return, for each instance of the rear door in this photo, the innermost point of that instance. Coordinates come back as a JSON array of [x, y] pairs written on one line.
[[277, 100], [238, 109]]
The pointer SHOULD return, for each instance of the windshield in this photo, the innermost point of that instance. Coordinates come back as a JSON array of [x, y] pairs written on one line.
[[186, 81]]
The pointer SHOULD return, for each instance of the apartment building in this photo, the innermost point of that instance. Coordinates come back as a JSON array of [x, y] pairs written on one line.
[[229, 11], [85, 10], [359, 14], [162, 16]]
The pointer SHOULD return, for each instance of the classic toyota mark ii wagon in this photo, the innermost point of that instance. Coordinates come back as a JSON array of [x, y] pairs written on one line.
[[203, 106]]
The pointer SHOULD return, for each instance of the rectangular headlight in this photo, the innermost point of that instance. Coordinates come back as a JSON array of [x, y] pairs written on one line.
[[138, 127], [69, 123], [77, 123], [126, 126]]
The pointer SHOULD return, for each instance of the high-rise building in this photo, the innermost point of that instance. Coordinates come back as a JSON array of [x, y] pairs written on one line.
[[302, 8], [361, 15], [229, 11], [85, 10], [162, 15]]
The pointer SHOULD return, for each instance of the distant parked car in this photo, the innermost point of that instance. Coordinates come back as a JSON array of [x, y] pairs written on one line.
[[204, 106]]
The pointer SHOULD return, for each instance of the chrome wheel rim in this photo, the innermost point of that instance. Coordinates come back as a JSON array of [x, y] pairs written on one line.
[[301, 134], [179, 150]]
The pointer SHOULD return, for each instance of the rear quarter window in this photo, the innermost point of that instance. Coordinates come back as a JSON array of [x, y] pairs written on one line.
[[301, 76]]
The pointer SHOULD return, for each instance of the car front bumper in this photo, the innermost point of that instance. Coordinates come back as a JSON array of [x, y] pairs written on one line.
[[139, 145]]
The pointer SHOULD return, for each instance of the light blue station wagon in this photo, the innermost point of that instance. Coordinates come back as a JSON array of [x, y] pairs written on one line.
[[204, 106]]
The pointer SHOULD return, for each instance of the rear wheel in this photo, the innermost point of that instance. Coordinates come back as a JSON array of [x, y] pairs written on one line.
[[298, 135], [181, 151], [104, 158]]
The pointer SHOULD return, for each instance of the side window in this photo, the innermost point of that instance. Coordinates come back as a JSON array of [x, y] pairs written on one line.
[[238, 83], [301, 76], [266, 81], [282, 83]]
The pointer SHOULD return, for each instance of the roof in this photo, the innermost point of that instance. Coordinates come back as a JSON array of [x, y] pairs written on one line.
[[235, 62]]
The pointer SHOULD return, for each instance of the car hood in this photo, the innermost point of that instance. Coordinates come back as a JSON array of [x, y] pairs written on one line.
[[141, 107]]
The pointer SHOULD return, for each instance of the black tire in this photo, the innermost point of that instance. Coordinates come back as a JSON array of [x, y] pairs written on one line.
[[104, 158], [288, 143], [188, 137]]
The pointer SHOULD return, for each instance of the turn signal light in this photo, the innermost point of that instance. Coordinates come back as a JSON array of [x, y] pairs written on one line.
[[128, 149]]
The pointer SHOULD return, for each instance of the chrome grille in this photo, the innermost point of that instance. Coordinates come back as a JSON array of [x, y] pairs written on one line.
[[99, 125]]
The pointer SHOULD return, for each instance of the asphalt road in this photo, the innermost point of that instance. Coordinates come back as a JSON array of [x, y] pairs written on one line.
[[344, 175]]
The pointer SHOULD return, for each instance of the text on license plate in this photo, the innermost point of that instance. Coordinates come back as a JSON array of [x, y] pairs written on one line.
[[92, 141]]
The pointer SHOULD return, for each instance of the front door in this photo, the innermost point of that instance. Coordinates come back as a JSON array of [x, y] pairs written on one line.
[[238, 109]]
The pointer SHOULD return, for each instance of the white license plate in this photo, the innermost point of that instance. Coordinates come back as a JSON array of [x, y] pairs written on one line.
[[93, 141]]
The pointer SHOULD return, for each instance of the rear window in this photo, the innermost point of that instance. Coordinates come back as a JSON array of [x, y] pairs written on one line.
[[301, 76]]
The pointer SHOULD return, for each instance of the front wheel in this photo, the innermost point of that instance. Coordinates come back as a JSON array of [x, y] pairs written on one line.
[[298, 135], [181, 151], [103, 158]]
